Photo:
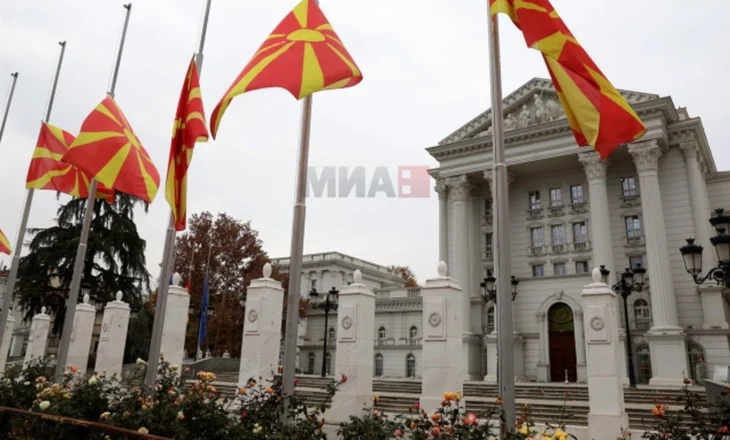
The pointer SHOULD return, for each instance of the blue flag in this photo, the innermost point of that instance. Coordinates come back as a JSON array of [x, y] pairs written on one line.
[[203, 313]]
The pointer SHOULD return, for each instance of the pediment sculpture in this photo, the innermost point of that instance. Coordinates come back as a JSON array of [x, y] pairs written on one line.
[[539, 111]]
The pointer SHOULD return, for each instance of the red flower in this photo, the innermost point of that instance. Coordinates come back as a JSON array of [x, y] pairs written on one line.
[[296, 381], [398, 433], [343, 379], [417, 405]]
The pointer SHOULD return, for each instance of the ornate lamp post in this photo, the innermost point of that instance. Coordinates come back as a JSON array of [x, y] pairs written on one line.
[[328, 303], [692, 253], [631, 281], [489, 289]]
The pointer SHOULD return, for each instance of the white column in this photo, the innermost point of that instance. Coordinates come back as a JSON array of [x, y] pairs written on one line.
[[173, 331], [543, 365], [354, 353], [261, 329], [607, 415], [442, 190], [83, 328], [600, 227], [38, 337], [442, 354], [666, 339], [113, 337], [490, 343], [580, 346], [459, 189], [700, 203], [5, 343]]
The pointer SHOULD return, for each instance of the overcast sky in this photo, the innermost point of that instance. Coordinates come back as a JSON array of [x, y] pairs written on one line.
[[425, 66]]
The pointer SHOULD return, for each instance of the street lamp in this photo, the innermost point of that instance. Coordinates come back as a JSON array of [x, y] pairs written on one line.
[[489, 289], [692, 253], [631, 281], [327, 304]]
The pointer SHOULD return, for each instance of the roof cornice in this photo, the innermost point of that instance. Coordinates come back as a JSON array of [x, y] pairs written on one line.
[[693, 130]]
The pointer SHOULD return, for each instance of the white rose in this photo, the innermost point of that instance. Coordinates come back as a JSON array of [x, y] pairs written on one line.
[[143, 430], [44, 405], [93, 380], [175, 367]]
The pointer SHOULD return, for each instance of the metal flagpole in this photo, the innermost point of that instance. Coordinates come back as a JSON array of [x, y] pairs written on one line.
[[207, 265], [10, 101], [15, 264], [168, 253], [73, 294], [505, 359]]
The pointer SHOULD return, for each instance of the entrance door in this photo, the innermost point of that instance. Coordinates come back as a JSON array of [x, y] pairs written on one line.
[[562, 343]]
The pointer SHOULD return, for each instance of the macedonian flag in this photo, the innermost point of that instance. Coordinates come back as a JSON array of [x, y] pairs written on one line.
[[189, 128], [303, 55], [597, 113], [4, 244], [47, 171], [108, 150]]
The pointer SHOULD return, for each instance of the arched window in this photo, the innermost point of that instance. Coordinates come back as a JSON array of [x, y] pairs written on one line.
[[642, 314], [381, 333], [378, 365], [413, 335], [697, 367], [410, 365], [310, 363], [490, 320], [643, 364], [328, 364], [331, 334]]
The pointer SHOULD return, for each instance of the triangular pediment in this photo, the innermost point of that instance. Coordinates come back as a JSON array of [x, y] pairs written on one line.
[[534, 103]]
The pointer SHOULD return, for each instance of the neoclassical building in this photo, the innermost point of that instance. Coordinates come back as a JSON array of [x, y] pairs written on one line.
[[570, 211]]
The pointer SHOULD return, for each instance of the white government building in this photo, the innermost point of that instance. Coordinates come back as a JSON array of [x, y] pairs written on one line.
[[570, 211]]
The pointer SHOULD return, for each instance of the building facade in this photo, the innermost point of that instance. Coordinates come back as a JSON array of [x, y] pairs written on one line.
[[570, 211]]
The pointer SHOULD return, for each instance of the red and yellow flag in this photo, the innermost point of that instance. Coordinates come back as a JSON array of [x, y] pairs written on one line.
[[47, 171], [108, 150], [303, 55], [4, 244], [189, 128], [597, 113]]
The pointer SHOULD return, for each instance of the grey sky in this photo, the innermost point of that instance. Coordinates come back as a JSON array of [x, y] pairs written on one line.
[[425, 66]]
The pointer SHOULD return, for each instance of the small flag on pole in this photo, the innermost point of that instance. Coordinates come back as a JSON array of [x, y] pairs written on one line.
[[189, 128], [47, 171], [599, 116], [203, 312], [108, 150], [4, 244], [303, 55]]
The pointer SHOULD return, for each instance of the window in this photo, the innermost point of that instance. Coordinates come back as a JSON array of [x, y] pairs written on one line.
[[313, 284], [642, 314], [556, 197], [331, 334], [410, 365], [636, 261], [536, 237], [535, 200], [378, 365], [538, 270], [628, 187], [633, 228], [580, 233], [413, 335], [557, 235], [576, 194], [488, 206], [559, 269], [328, 364], [490, 320], [310, 363], [488, 242], [581, 267], [381, 333]]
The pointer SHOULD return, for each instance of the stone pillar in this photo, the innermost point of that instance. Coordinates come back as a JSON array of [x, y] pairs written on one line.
[[580, 346], [623, 366], [5, 343], [600, 227], [443, 350], [607, 414], [490, 342], [666, 339], [261, 329], [442, 190], [83, 328], [38, 337], [460, 189], [543, 364], [172, 347], [700, 203], [354, 353], [113, 337]]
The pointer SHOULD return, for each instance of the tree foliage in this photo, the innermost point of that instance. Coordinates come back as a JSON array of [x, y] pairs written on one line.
[[406, 273], [115, 258]]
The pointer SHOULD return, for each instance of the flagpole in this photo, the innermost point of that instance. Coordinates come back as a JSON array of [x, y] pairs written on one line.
[[15, 264], [207, 266], [73, 294], [10, 101], [505, 359], [168, 252]]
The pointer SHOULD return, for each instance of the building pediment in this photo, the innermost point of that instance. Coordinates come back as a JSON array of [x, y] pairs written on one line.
[[534, 103]]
